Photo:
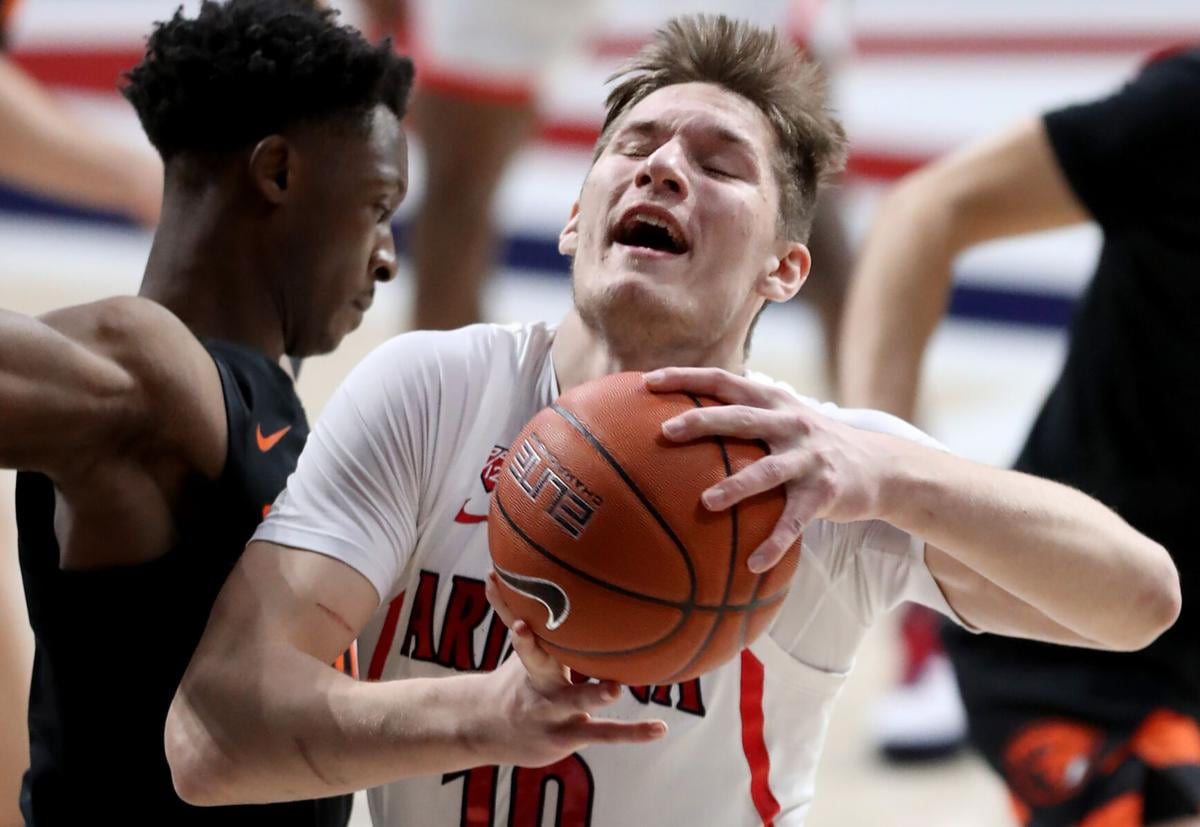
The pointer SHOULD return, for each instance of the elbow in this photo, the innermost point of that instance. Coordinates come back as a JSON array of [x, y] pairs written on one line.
[[200, 773], [1157, 606], [1167, 601]]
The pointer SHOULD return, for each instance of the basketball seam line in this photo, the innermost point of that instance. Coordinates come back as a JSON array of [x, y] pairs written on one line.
[[685, 612], [637, 492], [682, 606], [733, 551]]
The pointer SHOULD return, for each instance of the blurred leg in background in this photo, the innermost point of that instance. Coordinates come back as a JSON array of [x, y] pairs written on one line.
[[47, 150], [479, 67], [468, 144]]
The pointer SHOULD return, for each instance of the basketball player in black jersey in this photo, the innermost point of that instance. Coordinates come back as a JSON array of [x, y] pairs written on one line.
[[152, 432]]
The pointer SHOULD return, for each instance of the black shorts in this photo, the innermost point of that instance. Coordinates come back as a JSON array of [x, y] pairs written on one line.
[[1067, 772], [1077, 743]]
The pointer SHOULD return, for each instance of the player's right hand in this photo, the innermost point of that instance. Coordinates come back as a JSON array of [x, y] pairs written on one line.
[[541, 717]]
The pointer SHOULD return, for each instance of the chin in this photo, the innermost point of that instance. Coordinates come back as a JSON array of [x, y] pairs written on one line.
[[636, 313]]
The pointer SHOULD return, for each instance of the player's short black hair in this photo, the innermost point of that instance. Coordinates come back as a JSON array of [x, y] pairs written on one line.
[[244, 69]]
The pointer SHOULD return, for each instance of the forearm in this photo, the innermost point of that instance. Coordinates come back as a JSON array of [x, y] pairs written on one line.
[[897, 297], [295, 728], [45, 149], [1063, 553]]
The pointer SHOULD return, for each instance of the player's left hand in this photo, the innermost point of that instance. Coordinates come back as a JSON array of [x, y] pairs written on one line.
[[829, 470]]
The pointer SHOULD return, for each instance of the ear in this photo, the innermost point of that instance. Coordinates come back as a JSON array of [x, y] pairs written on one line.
[[568, 239], [787, 271], [273, 168]]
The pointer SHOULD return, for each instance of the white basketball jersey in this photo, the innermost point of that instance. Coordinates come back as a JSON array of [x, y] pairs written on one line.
[[395, 481]]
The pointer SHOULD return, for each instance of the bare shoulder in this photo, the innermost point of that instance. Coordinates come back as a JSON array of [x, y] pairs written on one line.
[[170, 385], [125, 329]]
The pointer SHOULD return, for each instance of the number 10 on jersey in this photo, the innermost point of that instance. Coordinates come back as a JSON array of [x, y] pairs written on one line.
[[528, 795]]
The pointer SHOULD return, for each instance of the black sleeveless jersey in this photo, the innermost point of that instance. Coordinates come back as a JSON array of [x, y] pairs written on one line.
[[111, 645]]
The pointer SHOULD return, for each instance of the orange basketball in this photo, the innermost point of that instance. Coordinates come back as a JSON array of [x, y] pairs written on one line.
[[602, 545]]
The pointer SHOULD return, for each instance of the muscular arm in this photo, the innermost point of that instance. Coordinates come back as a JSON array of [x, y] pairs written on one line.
[[83, 384], [1019, 555], [1012, 553], [1003, 186], [260, 717], [120, 405], [44, 149], [54, 389]]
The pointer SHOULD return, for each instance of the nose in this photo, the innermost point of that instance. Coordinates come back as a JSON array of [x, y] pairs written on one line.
[[383, 256], [663, 170]]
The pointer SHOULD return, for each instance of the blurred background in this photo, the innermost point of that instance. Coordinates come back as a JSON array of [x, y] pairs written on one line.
[[911, 79]]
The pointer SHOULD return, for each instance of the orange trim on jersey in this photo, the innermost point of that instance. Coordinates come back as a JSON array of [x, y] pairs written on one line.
[[1123, 811], [347, 662], [755, 748], [1166, 738]]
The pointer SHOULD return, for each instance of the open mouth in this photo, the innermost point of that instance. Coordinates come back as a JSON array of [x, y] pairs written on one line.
[[651, 231]]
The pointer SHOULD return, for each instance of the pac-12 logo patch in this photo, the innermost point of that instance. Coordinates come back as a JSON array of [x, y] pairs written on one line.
[[491, 469], [475, 508]]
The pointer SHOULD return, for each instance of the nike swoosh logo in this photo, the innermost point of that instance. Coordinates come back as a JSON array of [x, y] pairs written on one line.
[[266, 443], [545, 592], [464, 516]]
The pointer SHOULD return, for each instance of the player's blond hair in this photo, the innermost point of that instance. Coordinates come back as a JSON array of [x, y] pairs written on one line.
[[766, 70]]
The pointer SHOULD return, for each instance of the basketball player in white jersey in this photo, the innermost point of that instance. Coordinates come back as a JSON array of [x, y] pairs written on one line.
[[691, 218]]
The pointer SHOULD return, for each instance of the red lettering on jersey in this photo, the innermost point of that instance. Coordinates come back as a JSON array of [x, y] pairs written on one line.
[[465, 612], [691, 699], [418, 638], [662, 695], [479, 795], [575, 793], [691, 696]]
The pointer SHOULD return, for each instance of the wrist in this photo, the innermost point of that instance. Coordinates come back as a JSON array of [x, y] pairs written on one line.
[[902, 478], [477, 720]]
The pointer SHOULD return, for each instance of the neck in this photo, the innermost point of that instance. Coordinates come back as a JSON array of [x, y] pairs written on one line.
[[205, 268], [582, 354]]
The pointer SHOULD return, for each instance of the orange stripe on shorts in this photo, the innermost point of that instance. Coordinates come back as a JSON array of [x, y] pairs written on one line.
[[1123, 811], [1166, 738]]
